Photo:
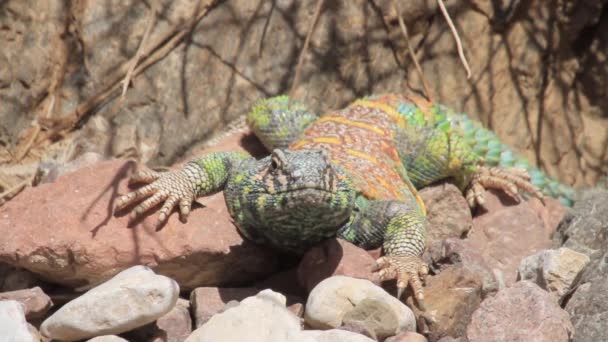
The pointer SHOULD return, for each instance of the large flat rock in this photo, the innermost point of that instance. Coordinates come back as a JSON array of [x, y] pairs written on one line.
[[66, 232]]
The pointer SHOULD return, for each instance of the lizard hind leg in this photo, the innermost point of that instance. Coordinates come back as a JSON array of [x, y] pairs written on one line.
[[279, 121]]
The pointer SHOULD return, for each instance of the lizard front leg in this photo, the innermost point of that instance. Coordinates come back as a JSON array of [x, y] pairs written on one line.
[[400, 228], [199, 177]]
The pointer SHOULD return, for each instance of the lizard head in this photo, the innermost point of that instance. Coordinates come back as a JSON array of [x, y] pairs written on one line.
[[291, 190]]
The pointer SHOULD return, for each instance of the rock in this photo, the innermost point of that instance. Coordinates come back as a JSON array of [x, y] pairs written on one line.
[[49, 171], [448, 216], [334, 298], [334, 335], [13, 326], [176, 325], [588, 305], [69, 235], [375, 316], [334, 257], [35, 301], [557, 271], [262, 317], [451, 297], [498, 241], [207, 301], [132, 298], [407, 336], [107, 338], [522, 312], [584, 229]]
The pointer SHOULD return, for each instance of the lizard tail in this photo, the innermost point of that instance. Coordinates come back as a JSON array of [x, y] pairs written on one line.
[[488, 146]]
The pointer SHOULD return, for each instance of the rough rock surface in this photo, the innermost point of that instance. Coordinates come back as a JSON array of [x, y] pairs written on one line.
[[522, 312], [557, 271], [334, 298], [499, 240], [13, 326], [69, 235], [35, 301], [451, 297], [585, 230], [334, 257], [132, 298], [448, 216]]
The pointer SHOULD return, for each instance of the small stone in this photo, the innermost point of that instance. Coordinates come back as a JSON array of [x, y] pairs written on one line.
[[262, 318], [333, 335], [176, 325], [448, 213], [334, 257], [13, 326], [35, 301], [451, 297], [556, 271], [333, 298], [132, 298], [408, 336], [107, 338], [207, 301], [523, 312]]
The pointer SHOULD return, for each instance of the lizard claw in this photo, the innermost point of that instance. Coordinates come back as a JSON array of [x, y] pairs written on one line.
[[407, 269], [509, 180], [169, 188]]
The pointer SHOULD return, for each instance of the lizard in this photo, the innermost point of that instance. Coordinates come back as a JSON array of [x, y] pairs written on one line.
[[351, 173]]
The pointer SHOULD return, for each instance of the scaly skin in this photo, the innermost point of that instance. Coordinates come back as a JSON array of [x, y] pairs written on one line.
[[352, 173]]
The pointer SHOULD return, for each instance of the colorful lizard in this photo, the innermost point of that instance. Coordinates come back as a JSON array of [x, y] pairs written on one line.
[[352, 173]]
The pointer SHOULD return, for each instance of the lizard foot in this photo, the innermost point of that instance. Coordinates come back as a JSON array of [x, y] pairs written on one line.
[[168, 187], [407, 269], [508, 180]]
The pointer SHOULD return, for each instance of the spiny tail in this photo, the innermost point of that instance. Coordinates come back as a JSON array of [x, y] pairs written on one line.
[[489, 147]]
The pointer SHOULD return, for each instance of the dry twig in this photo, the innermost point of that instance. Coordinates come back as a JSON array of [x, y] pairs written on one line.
[[311, 28], [456, 37]]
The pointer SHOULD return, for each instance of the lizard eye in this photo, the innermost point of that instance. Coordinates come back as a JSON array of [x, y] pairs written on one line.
[[276, 160], [274, 165]]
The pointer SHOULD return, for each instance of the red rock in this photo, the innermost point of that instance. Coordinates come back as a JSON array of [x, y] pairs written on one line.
[[176, 325], [451, 297], [448, 216], [67, 233], [500, 239], [334, 257], [523, 312], [35, 301]]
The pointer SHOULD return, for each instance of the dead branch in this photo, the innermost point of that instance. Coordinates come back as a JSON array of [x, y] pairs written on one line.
[[133, 62], [463, 59]]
